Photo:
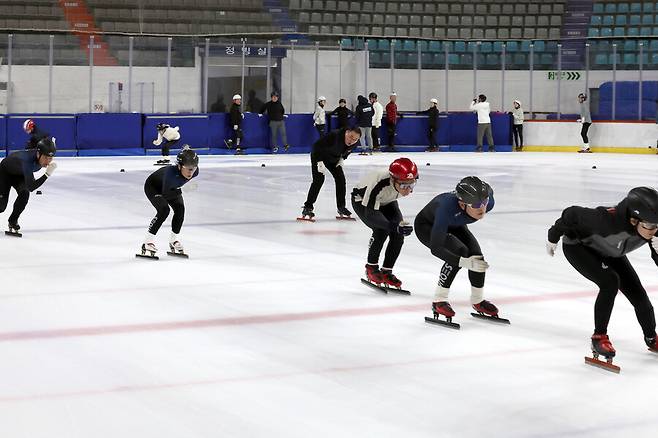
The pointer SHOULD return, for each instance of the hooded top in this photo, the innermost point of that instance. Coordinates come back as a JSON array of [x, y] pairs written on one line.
[[343, 113], [235, 115], [607, 231], [319, 116], [363, 113], [378, 110]]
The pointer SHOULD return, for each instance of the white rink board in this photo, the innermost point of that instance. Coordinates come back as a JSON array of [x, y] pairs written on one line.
[[601, 134]]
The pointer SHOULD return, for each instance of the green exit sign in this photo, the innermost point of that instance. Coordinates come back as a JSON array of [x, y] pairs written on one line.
[[565, 75]]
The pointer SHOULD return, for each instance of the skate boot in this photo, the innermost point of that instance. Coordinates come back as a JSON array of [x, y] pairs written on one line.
[[13, 229], [275, 149], [344, 213], [443, 308], [373, 274], [486, 308], [148, 251], [176, 249], [601, 346], [286, 147], [229, 144], [307, 214], [652, 343], [390, 280]]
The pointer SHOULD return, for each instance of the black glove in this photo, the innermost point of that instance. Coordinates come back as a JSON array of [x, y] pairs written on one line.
[[402, 228]]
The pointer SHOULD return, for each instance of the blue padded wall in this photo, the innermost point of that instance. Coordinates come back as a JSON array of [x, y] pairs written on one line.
[[109, 134], [193, 128], [60, 126]]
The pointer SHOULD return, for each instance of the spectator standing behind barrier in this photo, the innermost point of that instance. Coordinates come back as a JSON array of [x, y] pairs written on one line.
[[378, 113], [319, 117], [392, 120], [364, 114], [586, 120], [276, 112], [482, 107], [235, 120], [343, 113], [432, 124], [517, 125]]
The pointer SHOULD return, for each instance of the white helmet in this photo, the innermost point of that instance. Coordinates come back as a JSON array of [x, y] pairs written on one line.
[[321, 98], [393, 93], [237, 96], [433, 100]]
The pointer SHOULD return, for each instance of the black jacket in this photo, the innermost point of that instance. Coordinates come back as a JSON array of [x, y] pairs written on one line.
[[22, 163], [235, 116], [364, 113], [275, 110], [36, 136], [433, 116], [331, 147], [343, 113], [607, 231]]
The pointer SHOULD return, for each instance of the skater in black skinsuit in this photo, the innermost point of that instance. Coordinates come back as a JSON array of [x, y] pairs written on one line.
[[328, 153], [163, 189], [36, 134], [442, 226], [17, 171], [595, 241], [374, 200]]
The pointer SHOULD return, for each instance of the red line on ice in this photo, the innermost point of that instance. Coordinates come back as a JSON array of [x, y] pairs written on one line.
[[268, 319]]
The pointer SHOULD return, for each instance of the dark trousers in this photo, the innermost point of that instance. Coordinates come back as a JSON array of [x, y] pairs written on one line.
[[390, 130], [459, 241], [237, 137], [379, 235], [375, 137], [517, 131], [162, 207], [167, 145], [18, 183], [318, 180], [431, 136], [583, 132], [320, 129], [610, 275]]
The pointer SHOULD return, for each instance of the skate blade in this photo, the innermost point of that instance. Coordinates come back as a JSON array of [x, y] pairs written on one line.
[[178, 254], [144, 256], [374, 286], [385, 289], [437, 321], [653, 350], [160, 164], [601, 364], [9, 233], [496, 319], [345, 218], [305, 219]]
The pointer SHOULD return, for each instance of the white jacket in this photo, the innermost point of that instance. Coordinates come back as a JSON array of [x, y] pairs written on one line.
[[379, 113], [517, 113], [483, 109], [169, 134], [319, 117]]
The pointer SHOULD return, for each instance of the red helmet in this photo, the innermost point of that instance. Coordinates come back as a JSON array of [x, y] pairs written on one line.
[[403, 169], [28, 125]]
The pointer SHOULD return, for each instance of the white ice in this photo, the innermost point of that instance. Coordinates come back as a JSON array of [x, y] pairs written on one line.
[[266, 330]]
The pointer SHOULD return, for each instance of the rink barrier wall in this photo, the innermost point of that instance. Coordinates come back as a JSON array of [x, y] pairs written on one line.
[[3, 136], [91, 134], [629, 137]]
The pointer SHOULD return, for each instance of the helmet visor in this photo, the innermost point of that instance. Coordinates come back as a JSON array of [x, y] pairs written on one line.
[[648, 226], [480, 204]]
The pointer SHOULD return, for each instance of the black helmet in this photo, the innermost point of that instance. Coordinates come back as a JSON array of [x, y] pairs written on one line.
[[582, 96], [643, 204], [46, 146], [472, 190], [161, 126], [187, 157]]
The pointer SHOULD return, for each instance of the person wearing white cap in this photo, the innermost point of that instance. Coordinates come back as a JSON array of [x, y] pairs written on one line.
[[319, 117], [517, 125], [432, 124], [235, 121], [483, 109], [378, 113]]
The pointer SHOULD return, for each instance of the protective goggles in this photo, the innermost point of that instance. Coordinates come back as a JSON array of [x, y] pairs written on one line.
[[407, 184], [480, 204], [648, 226]]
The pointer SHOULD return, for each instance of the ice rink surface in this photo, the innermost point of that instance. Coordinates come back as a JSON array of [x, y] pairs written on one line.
[[266, 330]]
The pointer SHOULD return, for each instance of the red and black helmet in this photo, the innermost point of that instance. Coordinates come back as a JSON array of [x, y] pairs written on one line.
[[403, 169]]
